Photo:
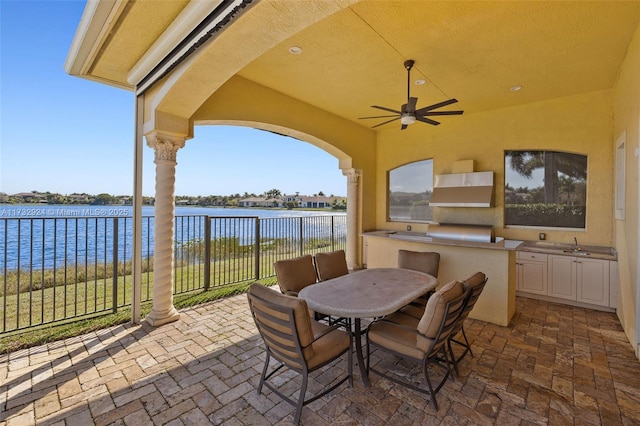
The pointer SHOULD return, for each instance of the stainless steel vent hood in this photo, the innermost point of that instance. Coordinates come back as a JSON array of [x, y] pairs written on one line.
[[463, 190]]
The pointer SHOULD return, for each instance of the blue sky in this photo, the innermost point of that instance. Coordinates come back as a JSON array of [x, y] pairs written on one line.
[[65, 134]]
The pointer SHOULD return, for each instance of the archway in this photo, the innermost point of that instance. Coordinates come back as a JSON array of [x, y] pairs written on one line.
[[166, 147]]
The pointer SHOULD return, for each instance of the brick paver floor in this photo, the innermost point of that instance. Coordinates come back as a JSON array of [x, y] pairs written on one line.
[[554, 364]]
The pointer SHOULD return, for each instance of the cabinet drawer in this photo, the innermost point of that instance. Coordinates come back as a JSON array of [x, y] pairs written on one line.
[[536, 257]]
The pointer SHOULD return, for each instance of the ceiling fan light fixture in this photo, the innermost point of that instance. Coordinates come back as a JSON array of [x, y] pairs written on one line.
[[408, 114], [407, 119]]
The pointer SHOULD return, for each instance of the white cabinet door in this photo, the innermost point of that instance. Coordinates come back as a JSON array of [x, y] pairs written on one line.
[[567, 277], [533, 277], [562, 277], [532, 273], [593, 281]]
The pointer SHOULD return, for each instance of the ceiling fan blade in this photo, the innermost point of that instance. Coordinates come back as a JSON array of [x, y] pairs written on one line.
[[421, 111], [442, 113], [389, 121], [378, 116], [411, 106], [427, 120], [386, 109]]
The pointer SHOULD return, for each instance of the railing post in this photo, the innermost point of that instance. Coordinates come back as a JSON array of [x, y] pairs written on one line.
[[115, 265], [333, 240], [301, 237], [257, 249], [207, 253]]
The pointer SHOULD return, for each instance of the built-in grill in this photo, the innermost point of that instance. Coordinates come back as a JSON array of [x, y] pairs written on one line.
[[461, 232]]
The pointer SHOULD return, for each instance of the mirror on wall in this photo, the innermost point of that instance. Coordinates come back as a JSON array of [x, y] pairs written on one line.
[[545, 188], [409, 190]]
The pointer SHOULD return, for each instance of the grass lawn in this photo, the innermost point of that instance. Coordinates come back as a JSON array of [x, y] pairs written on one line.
[[34, 317], [55, 313]]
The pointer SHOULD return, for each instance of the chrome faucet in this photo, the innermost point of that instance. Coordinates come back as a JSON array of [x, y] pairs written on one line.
[[576, 248]]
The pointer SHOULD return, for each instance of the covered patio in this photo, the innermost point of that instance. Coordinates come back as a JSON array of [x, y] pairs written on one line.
[[554, 364], [528, 76]]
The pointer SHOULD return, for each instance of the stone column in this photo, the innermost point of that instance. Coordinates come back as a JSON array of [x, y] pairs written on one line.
[[165, 147], [353, 191]]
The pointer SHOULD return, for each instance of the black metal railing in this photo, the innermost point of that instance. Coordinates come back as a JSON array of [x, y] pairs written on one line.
[[60, 269]]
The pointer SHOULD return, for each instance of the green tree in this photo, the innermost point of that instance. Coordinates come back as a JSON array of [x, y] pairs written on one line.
[[56, 199], [568, 187], [104, 199], [272, 193], [554, 164]]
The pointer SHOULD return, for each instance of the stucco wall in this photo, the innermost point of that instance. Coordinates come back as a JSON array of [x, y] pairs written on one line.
[[581, 124], [627, 119]]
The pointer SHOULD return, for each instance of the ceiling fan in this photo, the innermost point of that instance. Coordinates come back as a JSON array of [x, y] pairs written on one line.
[[408, 113]]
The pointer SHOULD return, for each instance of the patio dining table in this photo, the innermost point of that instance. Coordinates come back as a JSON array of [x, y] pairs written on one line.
[[369, 293]]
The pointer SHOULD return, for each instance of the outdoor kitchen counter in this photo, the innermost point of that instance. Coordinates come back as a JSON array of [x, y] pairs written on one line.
[[458, 259], [500, 244]]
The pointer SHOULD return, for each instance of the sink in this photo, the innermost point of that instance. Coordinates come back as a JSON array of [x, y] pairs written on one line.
[[578, 252], [569, 249], [545, 244], [548, 247]]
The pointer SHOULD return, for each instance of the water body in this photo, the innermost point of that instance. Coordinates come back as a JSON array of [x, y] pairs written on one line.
[[32, 211], [43, 236]]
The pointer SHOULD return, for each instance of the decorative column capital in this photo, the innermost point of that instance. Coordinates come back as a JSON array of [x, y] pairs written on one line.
[[165, 146], [353, 175]]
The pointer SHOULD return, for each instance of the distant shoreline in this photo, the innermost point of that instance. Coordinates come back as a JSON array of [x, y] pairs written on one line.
[[34, 211], [177, 205]]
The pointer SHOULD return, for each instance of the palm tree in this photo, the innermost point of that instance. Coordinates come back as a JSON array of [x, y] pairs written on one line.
[[272, 193], [573, 166], [568, 187]]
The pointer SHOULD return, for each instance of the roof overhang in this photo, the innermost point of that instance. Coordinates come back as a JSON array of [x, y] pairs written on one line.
[[178, 35], [353, 51]]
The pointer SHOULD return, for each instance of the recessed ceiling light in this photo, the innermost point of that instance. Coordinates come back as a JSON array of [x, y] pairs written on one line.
[[295, 50], [516, 88], [420, 82]]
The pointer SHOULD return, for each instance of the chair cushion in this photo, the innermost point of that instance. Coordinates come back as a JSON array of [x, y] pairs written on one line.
[[295, 274], [403, 319], [331, 265], [400, 339], [427, 262], [414, 310], [300, 311], [434, 312], [473, 280], [327, 346]]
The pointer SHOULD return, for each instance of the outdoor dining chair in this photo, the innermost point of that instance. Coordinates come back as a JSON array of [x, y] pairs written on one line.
[[423, 341], [422, 261], [295, 274], [474, 284], [296, 341], [331, 265]]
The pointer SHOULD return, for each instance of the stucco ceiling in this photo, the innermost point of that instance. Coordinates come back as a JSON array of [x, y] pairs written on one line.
[[472, 51]]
